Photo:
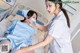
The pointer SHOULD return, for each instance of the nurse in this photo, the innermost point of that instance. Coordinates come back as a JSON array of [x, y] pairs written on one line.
[[58, 30]]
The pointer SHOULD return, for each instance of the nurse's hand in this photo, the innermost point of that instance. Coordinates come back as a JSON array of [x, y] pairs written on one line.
[[25, 50]]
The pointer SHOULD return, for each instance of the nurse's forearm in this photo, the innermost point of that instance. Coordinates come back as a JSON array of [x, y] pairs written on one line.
[[39, 45], [41, 27], [42, 44]]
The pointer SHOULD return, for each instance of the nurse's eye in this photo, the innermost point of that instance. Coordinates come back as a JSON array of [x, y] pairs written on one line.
[[50, 5]]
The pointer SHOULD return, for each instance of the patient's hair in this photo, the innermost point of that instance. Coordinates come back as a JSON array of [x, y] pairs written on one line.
[[30, 14]]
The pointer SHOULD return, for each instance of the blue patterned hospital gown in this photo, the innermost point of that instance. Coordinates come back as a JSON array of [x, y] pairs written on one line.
[[21, 35]]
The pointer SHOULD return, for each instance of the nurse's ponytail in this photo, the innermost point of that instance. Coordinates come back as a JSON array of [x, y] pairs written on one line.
[[64, 11], [67, 17]]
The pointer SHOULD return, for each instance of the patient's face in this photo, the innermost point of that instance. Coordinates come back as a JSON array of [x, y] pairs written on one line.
[[34, 16], [32, 19]]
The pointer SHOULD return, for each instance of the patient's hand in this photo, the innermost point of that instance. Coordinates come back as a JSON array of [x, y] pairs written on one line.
[[24, 50]]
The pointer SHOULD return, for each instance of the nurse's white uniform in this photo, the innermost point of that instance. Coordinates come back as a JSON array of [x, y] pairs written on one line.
[[59, 30]]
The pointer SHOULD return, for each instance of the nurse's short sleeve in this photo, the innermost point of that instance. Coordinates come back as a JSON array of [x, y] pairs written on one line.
[[56, 29]]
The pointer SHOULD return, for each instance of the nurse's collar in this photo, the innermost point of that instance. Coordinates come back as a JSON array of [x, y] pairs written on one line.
[[60, 13]]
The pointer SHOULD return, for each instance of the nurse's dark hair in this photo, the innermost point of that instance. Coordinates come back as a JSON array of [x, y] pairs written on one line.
[[64, 11], [30, 14]]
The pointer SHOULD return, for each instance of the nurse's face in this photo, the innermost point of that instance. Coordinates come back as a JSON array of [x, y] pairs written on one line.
[[51, 7]]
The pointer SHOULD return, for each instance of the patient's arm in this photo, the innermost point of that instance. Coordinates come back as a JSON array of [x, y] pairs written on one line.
[[41, 27]]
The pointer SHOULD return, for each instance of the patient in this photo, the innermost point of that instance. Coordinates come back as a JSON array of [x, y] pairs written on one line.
[[20, 33]]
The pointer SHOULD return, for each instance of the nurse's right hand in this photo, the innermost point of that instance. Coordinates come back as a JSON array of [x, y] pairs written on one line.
[[24, 51]]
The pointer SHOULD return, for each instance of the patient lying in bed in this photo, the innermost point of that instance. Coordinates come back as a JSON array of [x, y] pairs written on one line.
[[20, 33]]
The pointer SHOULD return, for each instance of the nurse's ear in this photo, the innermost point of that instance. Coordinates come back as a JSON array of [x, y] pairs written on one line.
[[57, 6]]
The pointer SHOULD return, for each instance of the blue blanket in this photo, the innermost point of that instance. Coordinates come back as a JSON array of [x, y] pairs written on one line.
[[20, 35]]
